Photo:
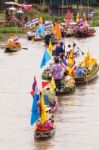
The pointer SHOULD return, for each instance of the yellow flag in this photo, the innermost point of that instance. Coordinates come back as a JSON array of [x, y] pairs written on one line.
[[70, 70], [88, 59], [71, 59], [50, 48], [52, 84], [41, 20], [77, 17], [43, 110]]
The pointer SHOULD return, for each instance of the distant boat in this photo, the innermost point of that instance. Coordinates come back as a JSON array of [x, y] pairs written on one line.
[[13, 44]]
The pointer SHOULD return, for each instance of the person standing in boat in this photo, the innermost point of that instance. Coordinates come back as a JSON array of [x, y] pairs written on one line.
[[48, 37], [68, 50], [59, 50], [56, 71]]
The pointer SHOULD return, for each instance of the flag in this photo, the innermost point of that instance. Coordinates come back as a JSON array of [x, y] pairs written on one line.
[[84, 16], [52, 84], [48, 24], [64, 64], [46, 100], [45, 59], [73, 66], [35, 21], [43, 110], [35, 113], [41, 20], [77, 17], [71, 62], [40, 30], [34, 87], [27, 25], [57, 31], [88, 59], [50, 48], [44, 83]]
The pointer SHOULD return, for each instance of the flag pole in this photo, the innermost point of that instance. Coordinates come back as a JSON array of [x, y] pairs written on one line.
[[62, 6]]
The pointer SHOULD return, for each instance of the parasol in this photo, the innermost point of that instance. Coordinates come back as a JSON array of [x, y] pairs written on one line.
[[20, 12]]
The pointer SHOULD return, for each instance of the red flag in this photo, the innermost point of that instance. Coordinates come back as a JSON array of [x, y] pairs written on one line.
[[44, 83]]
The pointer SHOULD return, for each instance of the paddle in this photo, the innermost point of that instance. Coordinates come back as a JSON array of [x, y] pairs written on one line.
[[25, 48], [81, 51]]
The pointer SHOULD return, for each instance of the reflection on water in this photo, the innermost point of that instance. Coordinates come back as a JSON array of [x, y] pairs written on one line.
[[77, 118]]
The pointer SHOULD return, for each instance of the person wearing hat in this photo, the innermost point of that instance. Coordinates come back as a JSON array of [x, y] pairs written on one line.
[[80, 71], [59, 50]]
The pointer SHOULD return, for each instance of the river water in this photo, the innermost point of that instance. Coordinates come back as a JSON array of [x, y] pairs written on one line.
[[77, 118]]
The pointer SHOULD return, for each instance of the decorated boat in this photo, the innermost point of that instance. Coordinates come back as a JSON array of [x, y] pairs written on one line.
[[85, 33], [12, 46], [45, 126], [87, 70], [91, 75]]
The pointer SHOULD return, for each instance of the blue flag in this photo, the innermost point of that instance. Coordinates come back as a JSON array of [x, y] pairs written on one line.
[[45, 59], [35, 113], [46, 100], [40, 31]]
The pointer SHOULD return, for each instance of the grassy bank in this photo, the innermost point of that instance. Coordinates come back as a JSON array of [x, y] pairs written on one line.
[[12, 30]]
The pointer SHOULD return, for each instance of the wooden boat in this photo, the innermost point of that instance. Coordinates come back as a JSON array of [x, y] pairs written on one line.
[[12, 46], [12, 49], [85, 33], [88, 77], [44, 134], [29, 37]]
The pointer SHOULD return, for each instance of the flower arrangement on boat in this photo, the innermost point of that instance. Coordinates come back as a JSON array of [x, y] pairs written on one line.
[[68, 84]]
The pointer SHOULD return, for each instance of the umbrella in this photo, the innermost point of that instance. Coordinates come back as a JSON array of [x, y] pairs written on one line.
[[12, 8], [20, 11], [11, 3]]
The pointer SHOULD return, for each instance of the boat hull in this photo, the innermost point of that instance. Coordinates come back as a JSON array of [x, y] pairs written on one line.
[[29, 37], [87, 78], [47, 134], [67, 91], [12, 49], [84, 34]]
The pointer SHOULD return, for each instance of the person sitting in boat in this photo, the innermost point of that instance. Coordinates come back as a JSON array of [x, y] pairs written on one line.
[[31, 33], [47, 38], [59, 50], [56, 71], [80, 71]]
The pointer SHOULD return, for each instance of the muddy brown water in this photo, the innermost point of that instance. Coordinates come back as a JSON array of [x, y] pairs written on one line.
[[77, 118]]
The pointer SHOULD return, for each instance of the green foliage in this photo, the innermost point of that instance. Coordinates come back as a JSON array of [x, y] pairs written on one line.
[[94, 23], [11, 30]]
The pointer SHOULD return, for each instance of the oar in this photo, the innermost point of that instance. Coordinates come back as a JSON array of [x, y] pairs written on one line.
[[81, 51], [25, 48]]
